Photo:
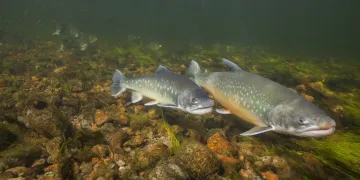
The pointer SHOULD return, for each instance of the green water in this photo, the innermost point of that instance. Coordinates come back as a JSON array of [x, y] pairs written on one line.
[[47, 92]]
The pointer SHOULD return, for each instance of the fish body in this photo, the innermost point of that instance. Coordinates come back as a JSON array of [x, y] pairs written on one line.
[[262, 102], [167, 89]]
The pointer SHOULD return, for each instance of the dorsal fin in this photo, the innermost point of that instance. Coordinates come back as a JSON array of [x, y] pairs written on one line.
[[161, 69], [231, 65]]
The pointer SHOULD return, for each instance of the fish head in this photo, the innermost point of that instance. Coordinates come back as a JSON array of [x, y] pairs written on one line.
[[300, 117], [195, 101]]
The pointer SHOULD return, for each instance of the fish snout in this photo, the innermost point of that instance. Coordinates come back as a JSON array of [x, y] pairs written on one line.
[[208, 103], [327, 124]]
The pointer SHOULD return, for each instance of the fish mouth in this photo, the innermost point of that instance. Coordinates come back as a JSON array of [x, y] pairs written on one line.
[[202, 110], [318, 132]]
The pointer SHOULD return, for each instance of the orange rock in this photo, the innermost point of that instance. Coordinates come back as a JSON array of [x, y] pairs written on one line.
[[51, 168], [107, 83], [95, 160], [100, 117], [301, 87], [247, 173], [92, 176], [123, 119], [97, 89], [35, 78], [60, 69], [268, 175], [220, 145], [227, 160], [142, 174], [307, 97], [38, 162], [2, 83], [19, 171], [99, 150], [138, 108]]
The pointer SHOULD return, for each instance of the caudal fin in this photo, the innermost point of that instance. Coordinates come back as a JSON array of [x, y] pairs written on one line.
[[117, 86], [194, 69]]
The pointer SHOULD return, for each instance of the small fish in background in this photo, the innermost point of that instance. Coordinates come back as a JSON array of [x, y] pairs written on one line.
[[73, 31], [92, 39], [73, 38], [262, 102], [61, 48], [154, 46], [83, 43], [57, 30], [166, 88]]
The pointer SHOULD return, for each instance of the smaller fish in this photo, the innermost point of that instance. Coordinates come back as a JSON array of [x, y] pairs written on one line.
[[92, 39], [167, 89], [57, 32]]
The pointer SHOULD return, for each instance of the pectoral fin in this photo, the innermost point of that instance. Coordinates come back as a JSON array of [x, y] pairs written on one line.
[[150, 103], [136, 97], [223, 111], [257, 130]]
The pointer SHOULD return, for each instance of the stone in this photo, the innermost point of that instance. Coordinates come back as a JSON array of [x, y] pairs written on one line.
[[218, 144], [2, 83], [100, 150], [38, 162], [307, 97], [197, 159], [100, 117], [123, 119], [168, 170], [44, 122], [60, 69], [53, 148], [117, 140], [138, 108], [135, 141], [148, 156], [268, 175], [281, 166], [19, 171]]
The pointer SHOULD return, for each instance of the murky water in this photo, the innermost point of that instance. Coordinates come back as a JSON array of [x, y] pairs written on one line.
[[59, 120]]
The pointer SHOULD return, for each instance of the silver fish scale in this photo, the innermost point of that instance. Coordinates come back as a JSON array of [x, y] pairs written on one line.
[[160, 88], [249, 90]]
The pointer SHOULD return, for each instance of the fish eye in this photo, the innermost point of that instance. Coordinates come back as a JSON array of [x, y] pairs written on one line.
[[302, 120], [194, 100]]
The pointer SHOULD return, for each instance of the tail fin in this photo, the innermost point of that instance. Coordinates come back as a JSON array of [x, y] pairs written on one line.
[[194, 69], [117, 86]]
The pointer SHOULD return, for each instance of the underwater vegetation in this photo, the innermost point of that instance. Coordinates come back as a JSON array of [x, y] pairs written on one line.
[[59, 120]]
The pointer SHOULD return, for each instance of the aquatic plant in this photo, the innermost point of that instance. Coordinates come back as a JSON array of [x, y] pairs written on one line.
[[174, 141], [339, 151]]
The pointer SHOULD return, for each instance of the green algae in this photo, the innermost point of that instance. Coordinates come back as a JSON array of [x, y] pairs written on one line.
[[138, 121], [339, 151], [174, 141], [18, 155]]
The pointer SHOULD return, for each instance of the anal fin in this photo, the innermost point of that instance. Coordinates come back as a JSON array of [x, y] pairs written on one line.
[[223, 111], [256, 130], [136, 97]]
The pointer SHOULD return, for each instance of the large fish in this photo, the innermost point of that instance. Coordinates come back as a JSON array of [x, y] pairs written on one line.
[[262, 102], [167, 89]]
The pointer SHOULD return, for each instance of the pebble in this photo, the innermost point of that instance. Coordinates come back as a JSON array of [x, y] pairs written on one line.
[[100, 117]]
